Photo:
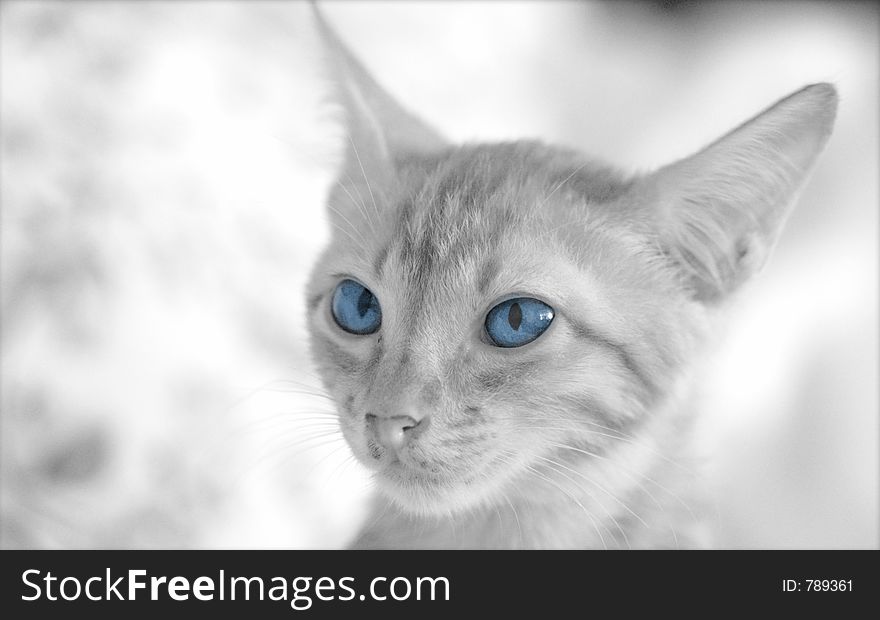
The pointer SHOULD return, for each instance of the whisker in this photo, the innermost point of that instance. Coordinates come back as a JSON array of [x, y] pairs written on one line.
[[620, 436], [555, 467], [643, 476], [353, 228], [295, 390], [272, 461], [575, 500], [281, 421], [506, 456], [341, 466], [560, 184], [601, 488], [361, 206], [360, 242], [516, 517], [378, 518], [364, 173], [284, 449], [258, 460], [324, 458]]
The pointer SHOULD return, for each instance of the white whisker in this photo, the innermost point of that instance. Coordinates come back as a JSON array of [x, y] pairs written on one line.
[[554, 466], [575, 500]]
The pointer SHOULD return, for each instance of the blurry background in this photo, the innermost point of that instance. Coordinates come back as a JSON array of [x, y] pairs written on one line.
[[163, 172]]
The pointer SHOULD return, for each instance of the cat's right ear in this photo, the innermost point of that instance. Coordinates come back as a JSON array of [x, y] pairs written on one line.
[[379, 130]]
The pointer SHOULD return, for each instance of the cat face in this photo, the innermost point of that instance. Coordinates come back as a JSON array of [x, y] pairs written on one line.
[[482, 309], [486, 310]]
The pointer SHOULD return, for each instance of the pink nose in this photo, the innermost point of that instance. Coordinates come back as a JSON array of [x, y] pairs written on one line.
[[392, 433]]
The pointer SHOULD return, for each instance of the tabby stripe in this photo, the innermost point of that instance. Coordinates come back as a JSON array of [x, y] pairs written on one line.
[[379, 263], [487, 274], [626, 358], [313, 302], [340, 356]]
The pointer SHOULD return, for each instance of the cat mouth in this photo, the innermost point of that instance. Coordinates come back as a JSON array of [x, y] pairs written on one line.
[[412, 487], [401, 468], [397, 464]]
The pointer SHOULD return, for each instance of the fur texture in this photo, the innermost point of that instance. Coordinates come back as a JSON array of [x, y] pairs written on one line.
[[580, 438]]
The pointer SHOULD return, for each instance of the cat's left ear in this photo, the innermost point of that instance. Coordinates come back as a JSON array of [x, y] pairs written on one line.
[[718, 213], [379, 129]]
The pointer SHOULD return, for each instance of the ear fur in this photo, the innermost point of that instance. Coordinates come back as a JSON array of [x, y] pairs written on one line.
[[719, 212], [379, 129]]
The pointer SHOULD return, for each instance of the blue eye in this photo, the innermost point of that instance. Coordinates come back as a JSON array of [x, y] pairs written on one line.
[[516, 322], [355, 309]]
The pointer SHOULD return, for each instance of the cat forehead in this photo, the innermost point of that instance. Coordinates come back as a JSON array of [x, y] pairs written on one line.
[[472, 212], [474, 197], [476, 173], [480, 220]]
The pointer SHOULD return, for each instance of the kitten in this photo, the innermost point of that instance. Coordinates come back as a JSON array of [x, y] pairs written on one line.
[[511, 330]]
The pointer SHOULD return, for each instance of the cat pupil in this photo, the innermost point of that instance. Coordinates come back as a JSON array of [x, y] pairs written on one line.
[[514, 317], [364, 302]]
